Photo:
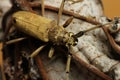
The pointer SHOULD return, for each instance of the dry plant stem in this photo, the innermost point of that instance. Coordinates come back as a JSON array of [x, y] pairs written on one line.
[[91, 68], [24, 5], [1, 64], [65, 12], [41, 68], [114, 45], [16, 59]]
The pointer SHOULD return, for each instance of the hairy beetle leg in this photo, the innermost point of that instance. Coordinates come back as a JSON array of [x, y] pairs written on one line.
[[15, 40], [37, 51], [68, 67]]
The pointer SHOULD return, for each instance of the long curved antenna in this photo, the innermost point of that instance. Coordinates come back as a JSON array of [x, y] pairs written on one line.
[[79, 34], [60, 11]]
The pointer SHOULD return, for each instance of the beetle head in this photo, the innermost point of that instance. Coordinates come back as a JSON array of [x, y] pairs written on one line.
[[69, 39]]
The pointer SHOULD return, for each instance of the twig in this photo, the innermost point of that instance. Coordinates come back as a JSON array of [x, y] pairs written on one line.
[[65, 12], [1, 63], [91, 68], [16, 58], [88, 66], [114, 45], [24, 5], [41, 68]]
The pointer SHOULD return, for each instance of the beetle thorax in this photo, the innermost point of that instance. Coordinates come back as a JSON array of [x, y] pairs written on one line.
[[59, 36]]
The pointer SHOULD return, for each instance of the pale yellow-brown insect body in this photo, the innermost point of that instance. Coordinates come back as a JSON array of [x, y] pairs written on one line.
[[42, 28], [32, 24]]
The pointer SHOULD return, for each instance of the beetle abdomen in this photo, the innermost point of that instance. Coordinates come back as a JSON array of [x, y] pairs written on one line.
[[33, 25]]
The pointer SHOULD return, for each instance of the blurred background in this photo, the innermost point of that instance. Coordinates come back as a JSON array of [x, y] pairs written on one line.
[[111, 8]]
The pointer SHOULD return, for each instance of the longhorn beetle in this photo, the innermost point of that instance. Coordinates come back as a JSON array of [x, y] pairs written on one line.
[[47, 30]]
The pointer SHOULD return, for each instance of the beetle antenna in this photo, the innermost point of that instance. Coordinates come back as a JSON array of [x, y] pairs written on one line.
[[60, 11], [79, 34], [43, 7], [68, 22]]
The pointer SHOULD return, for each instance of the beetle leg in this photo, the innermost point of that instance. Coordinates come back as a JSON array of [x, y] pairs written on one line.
[[51, 52], [68, 66], [68, 22], [37, 51], [2, 74], [60, 11], [15, 40]]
